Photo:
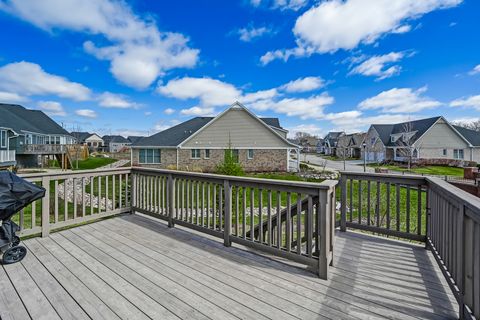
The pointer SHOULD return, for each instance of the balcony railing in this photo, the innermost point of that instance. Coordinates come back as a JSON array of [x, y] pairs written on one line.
[[41, 149], [423, 209], [7, 156], [293, 220]]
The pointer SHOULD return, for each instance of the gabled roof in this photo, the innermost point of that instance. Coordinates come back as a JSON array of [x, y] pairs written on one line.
[[174, 136], [134, 139], [80, 136], [114, 139], [384, 131], [472, 136], [22, 120]]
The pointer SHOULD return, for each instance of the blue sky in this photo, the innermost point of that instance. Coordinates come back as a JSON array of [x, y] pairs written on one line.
[[137, 67]]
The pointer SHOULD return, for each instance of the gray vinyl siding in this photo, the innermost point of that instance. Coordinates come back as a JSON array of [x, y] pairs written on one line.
[[241, 129], [441, 136]]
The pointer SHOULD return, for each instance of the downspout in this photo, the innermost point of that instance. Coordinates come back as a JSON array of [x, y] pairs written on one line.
[[131, 157], [177, 157]]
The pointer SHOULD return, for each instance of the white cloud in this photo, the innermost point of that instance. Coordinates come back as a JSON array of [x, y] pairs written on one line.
[[380, 66], [354, 121], [27, 79], [333, 25], [475, 70], [113, 100], [52, 108], [469, 102], [305, 108], [87, 113], [9, 97], [293, 5], [138, 52], [169, 111], [210, 92], [162, 125], [259, 95], [250, 33], [400, 100], [147, 113], [304, 84], [198, 111], [309, 128]]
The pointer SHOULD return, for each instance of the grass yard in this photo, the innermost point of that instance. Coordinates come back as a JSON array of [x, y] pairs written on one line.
[[92, 163], [431, 170]]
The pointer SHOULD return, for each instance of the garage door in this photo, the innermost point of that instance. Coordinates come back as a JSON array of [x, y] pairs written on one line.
[[375, 156]]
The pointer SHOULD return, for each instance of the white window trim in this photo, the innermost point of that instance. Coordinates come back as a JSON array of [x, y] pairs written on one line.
[[205, 154], [160, 154], [248, 154], [4, 133], [196, 157]]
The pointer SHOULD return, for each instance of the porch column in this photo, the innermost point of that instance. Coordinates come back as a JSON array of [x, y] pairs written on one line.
[[298, 160]]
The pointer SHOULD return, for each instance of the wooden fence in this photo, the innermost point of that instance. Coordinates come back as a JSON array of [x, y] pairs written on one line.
[[425, 209]]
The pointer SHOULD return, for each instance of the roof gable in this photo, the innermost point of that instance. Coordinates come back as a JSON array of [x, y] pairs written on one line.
[[472, 136]]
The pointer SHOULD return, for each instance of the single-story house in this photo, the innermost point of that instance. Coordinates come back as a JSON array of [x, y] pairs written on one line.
[[27, 136], [350, 145], [115, 143], [330, 142], [433, 139], [200, 143], [92, 140]]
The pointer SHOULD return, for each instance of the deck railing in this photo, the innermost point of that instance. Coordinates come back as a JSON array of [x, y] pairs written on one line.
[[295, 220], [7, 156], [75, 197], [423, 209]]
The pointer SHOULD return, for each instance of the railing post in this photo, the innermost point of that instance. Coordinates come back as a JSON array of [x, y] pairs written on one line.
[[45, 207], [322, 233], [343, 204], [133, 192], [227, 229], [171, 200]]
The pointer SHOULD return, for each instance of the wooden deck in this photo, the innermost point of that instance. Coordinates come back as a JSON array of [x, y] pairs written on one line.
[[132, 267]]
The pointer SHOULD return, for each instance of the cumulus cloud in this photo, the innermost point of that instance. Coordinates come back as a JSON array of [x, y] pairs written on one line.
[[469, 102], [354, 121], [400, 100], [137, 50], [29, 79], [381, 66], [250, 32], [304, 84], [87, 113], [475, 70], [113, 100], [210, 92], [333, 25], [52, 108], [169, 111], [198, 111], [9, 97], [308, 128]]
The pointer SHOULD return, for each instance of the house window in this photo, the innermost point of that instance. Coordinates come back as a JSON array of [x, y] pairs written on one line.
[[444, 152], [196, 154], [150, 156], [458, 153], [250, 154], [207, 153], [3, 138]]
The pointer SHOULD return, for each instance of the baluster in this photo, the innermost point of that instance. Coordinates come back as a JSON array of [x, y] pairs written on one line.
[[56, 202], [289, 222], [120, 187], [351, 201], [252, 220], [214, 213], [359, 211], [369, 189], [309, 226], [269, 217], [408, 209], [106, 194], [197, 201], [299, 223], [260, 215], [91, 194], [220, 207], [419, 210], [202, 211], [83, 197], [244, 212], [279, 221], [113, 193], [388, 205], [74, 198], [99, 194], [65, 201], [397, 205], [377, 209], [237, 212]]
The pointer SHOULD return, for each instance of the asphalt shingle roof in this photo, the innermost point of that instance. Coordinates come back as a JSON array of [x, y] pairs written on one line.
[[173, 136], [114, 139], [471, 136], [20, 119], [80, 136], [420, 126]]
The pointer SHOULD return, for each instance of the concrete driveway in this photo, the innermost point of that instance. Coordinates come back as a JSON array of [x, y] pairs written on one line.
[[350, 165]]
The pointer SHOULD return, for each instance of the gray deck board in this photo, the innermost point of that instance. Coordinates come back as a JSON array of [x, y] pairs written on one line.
[[133, 267]]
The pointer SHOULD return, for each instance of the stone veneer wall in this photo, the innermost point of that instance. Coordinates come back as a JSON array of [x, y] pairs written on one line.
[[263, 160]]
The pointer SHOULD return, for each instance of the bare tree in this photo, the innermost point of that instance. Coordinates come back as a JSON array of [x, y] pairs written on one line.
[[474, 125], [404, 142]]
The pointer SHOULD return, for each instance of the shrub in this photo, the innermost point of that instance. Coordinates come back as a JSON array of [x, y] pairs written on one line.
[[230, 165]]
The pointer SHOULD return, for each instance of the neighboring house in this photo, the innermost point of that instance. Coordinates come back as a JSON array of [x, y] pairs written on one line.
[[115, 143], [309, 144], [200, 143], [92, 140], [433, 139], [134, 139], [26, 136], [320, 145], [330, 142], [350, 145]]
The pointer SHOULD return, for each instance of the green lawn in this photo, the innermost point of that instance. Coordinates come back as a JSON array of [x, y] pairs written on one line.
[[431, 170], [92, 163]]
